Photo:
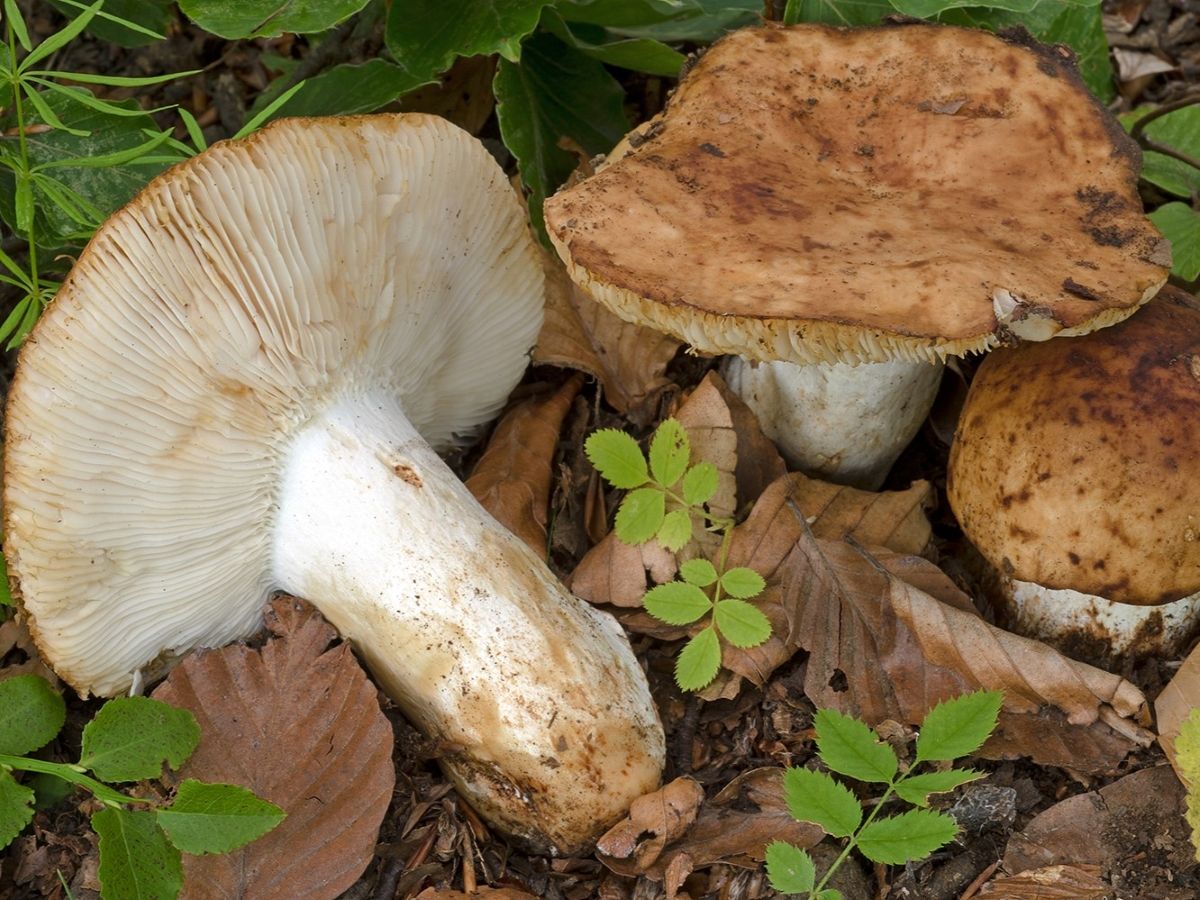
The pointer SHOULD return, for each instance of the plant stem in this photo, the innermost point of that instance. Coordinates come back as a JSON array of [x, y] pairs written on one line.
[[101, 791]]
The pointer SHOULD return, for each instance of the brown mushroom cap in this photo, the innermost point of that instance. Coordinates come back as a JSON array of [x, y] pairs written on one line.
[[1077, 463], [820, 194]]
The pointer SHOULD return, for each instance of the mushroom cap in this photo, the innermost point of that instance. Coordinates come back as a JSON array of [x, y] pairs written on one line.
[[239, 294], [1076, 464], [815, 194]]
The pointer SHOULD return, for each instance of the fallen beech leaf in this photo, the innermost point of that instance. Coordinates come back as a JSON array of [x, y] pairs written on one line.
[[1175, 703], [578, 333], [664, 814], [892, 519], [300, 725], [490, 893], [512, 479], [15, 636], [1050, 883]]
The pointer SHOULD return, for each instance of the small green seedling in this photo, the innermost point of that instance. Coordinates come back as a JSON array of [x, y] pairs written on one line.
[[129, 740], [666, 498], [848, 747]]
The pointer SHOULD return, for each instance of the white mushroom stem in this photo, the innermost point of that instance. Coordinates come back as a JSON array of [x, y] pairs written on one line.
[[1071, 620], [548, 721], [841, 422]]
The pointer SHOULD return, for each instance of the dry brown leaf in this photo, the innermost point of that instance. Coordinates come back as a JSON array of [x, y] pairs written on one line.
[[300, 725], [664, 815], [489, 893], [463, 94], [619, 574], [892, 519], [1175, 703], [15, 636], [513, 477], [578, 333], [1050, 883], [733, 827]]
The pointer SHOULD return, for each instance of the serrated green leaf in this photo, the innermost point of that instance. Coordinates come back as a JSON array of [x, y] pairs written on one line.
[[638, 54], [742, 624], [137, 862], [1180, 224], [677, 603], [699, 661], [1187, 760], [216, 818], [617, 457], [700, 483], [849, 747], [640, 515], [908, 836], [669, 452], [742, 583], [425, 36], [958, 726], [789, 869], [917, 788], [676, 530], [815, 797], [699, 572], [31, 714], [1179, 129], [131, 737], [16, 808], [827, 894], [236, 19]]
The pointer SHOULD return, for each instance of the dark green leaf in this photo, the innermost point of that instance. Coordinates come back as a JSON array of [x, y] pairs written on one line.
[[1180, 130], [815, 797], [908, 836], [849, 747], [16, 808], [347, 89], [236, 19], [916, 790], [31, 714], [1181, 226], [958, 726], [700, 483], [790, 869], [741, 624], [5, 593], [638, 54], [425, 36], [617, 457], [844, 12], [677, 603], [59, 39], [699, 661], [675, 531], [126, 23], [700, 21], [216, 818], [555, 93], [640, 515], [742, 582], [137, 862], [699, 572], [669, 452], [131, 737], [927, 9]]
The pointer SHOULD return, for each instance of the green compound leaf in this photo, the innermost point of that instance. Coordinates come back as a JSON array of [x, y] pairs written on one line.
[[641, 515], [676, 530], [698, 661], [815, 797], [699, 572], [741, 624], [16, 808], [908, 836], [677, 603], [700, 483], [916, 790], [958, 726], [137, 862], [131, 738], [789, 869], [216, 818], [1187, 758], [31, 714], [617, 457], [849, 747], [1180, 224], [742, 583], [669, 453]]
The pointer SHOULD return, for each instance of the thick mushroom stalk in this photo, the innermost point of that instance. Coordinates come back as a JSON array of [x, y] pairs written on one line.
[[540, 695]]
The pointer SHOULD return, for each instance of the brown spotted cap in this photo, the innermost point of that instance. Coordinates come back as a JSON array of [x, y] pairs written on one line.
[[1077, 463], [816, 194]]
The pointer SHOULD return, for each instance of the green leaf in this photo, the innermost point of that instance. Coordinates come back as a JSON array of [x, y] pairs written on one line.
[[126, 23], [617, 457], [556, 92], [236, 19], [815, 797], [640, 515], [639, 54], [827, 894], [13, 16], [789, 869], [741, 624], [742, 582], [916, 789], [699, 661], [700, 483], [699, 572], [346, 89], [1179, 129], [216, 818], [676, 530], [258, 118], [958, 726], [131, 738], [425, 36], [60, 38], [16, 808], [700, 21], [1187, 759], [677, 603], [31, 714], [1180, 224], [844, 12], [849, 747], [908, 836], [6, 598], [137, 862], [669, 452]]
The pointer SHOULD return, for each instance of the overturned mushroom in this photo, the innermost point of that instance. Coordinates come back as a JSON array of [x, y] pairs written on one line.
[[1075, 471], [239, 389], [889, 195]]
